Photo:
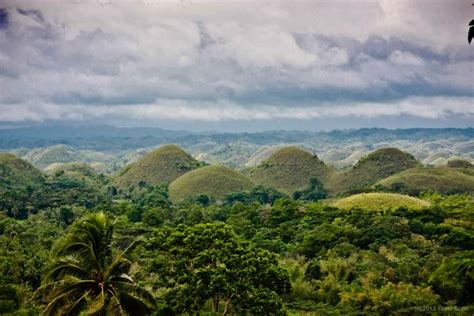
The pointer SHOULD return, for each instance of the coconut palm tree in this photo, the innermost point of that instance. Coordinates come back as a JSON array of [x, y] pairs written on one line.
[[88, 275]]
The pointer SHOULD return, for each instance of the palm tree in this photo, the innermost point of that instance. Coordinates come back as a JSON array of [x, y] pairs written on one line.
[[88, 275]]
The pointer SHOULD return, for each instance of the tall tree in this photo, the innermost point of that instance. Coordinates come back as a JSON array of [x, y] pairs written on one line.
[[88, 274], [209, 263]]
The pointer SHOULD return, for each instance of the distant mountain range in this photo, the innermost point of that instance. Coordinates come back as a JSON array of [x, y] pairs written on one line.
[[109, 138]]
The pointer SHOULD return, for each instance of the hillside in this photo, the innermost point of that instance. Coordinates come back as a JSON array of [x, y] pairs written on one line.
[[77, 171], [290, 169], [16, 172], [459, 163], [380, 202], [214, 181], [162, 165], [443, 180], [262, 154], [377, 165], [75, 183], [20, 181], [43, 157]]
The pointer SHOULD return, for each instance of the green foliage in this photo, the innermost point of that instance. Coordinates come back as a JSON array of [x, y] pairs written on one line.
[[87, 274], [454, 278], [9, 299], [315, 191], [259, 194], [209, 263], [20, 186], [459, 163], [401, 298], [228, 247]]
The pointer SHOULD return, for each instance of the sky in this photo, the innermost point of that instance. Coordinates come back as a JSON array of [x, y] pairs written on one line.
[[237, 65]]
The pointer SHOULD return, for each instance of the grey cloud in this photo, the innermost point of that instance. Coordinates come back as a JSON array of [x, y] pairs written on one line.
[[273, 61], [3, 18]]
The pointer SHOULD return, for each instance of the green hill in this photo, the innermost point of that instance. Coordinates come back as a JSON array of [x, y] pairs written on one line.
[[262, 154], [16, 172], [77, 171], [20, 182], [162, 165], [74, 183], [214, 181], [377, 165], [380, 201], [443, 180], [290, 169], [43, 157], [459, 163]]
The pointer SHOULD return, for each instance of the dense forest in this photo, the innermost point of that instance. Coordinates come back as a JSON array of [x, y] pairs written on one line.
[[73, 241]]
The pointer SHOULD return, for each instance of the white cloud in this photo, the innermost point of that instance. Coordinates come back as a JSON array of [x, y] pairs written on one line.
[[427, 108], [405, 59]]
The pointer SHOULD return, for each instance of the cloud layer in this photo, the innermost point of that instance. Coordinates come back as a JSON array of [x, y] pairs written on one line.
[[210, 61]]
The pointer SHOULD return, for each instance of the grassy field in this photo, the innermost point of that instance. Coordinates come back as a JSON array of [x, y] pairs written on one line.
[[162, 165], [290, 169], [380, 201], [215, 181], [442, 180]]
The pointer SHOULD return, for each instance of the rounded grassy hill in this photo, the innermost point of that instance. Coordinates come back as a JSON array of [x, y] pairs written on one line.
[[161, 166], [16, 172], [459, 163], [443, 180], [77, 171], [19, 182], [214, 181], [380, 202], [377, 165], [290, 169], [43, 157]]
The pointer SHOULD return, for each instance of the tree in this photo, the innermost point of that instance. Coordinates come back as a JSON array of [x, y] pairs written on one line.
[[87, 274], [209, 263], [315, 191], [9, 299], [454, 278]]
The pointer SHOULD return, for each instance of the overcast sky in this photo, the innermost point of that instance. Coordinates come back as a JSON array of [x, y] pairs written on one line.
[[237, 65]]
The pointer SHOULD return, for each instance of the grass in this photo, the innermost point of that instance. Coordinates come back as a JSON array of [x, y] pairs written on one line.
[[214, 181], [443, 180], [290, 169], [162, 165], [380, 202]]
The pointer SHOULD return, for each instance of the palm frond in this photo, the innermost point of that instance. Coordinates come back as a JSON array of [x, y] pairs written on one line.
[[137, 291], [75, 307], [97, 305], [133, 305], [65, 266], [87, 275]]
